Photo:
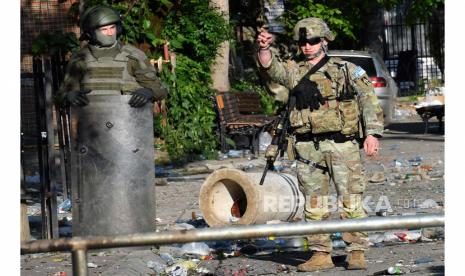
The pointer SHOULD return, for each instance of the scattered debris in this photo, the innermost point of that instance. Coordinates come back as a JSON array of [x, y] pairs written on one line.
[[378, 177], [196, 248], [186, 259], [432, 233], [264, 140], [181, 268], [235, 153], [202, 270], [65, 206], [382, 213], [392, 270], [156, 266], [167, 258], [246, 167], [92, 265], [283, 269], [161, 182]]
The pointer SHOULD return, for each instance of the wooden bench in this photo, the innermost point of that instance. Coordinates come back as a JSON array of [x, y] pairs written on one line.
[[241, 114]]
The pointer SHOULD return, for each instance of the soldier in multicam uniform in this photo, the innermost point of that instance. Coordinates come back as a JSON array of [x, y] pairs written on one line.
[[106, 66], [331, 106]]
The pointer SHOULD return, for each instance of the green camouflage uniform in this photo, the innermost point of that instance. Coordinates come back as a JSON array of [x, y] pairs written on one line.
[[342, 159], [118, 70]]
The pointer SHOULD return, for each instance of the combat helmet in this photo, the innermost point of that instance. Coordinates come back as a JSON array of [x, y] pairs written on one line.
[[312, 27], [96, 17]]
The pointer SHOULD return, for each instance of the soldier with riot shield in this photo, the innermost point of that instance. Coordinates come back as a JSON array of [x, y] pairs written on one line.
[[110, 87]]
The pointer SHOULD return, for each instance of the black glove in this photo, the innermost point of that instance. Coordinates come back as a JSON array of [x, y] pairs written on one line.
[[140, 97], [78, 98], [307, 95]]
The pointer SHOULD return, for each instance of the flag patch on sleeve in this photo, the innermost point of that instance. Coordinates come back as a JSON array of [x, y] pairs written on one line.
[[358, 72]]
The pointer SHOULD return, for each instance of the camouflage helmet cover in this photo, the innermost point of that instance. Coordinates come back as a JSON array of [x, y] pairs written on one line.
[[315, 27], [98, 16]]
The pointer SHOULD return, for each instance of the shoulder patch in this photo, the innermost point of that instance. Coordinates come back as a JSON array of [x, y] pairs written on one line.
[[358, 72]]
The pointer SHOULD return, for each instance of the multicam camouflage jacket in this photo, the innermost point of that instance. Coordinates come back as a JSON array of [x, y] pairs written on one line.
[[336, 114]]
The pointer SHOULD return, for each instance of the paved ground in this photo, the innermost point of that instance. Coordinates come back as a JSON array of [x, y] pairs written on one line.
[[411, 162]]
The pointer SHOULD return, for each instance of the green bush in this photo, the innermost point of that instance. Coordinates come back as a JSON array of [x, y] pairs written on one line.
[[194, 31]]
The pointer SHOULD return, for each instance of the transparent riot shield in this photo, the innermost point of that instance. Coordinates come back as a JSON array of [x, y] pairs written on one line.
[[112, 172]]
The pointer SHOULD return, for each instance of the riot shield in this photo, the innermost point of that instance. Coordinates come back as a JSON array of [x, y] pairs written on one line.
[[112, 172]]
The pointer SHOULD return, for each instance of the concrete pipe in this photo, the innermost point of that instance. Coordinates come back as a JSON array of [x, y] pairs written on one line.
[[230, 196]]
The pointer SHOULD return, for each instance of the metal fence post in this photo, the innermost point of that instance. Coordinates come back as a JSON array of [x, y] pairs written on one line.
[[79, 259]]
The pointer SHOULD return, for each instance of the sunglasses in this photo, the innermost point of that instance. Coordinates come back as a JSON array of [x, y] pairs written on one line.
[[312, 41]]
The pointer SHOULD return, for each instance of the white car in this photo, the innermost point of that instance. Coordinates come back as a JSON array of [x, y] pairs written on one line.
[[385, 87]]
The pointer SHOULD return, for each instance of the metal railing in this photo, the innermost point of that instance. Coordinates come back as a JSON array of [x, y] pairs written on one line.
[[80, 245]]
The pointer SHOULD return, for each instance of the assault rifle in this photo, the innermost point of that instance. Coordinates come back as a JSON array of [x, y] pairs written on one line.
[[279, 137], [277, 142]]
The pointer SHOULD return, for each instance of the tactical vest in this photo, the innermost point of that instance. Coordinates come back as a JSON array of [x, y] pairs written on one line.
[[109, 75], [335, 115]]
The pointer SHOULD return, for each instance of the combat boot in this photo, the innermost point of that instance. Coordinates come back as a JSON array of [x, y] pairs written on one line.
[[319, 261], [356, 260]]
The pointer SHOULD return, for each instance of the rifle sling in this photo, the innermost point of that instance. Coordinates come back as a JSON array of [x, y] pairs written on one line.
[[310, 162], [312, 70], [315, 68]]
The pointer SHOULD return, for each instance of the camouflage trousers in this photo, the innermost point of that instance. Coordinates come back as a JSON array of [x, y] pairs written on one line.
[[345, 171]]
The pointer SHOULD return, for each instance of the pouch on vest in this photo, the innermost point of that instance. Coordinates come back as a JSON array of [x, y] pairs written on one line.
[[295, 118], [324, 85], [299, 118], [349, 116], [326, 119]]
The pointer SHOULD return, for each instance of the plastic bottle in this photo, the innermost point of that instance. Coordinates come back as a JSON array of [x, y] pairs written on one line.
[[339, 244], [337, 240], [235, 153], [394, 270], [294, 244], [167, 258], [196, 248], [264, 140], [248, 167]]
